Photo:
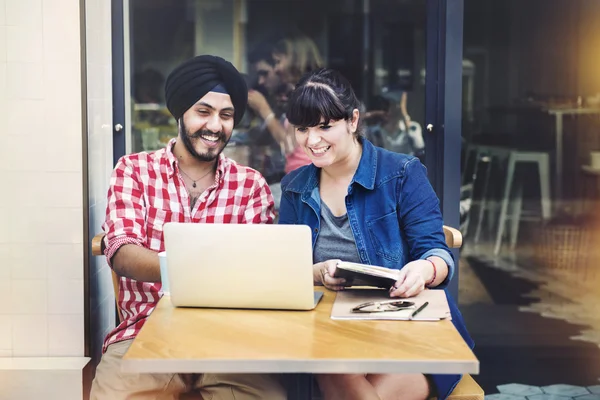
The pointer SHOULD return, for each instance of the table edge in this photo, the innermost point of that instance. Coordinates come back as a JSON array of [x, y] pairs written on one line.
[[300, 366]]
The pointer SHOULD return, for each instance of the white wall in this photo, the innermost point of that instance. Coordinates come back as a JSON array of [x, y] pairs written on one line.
[[41, 205], [42, 202]]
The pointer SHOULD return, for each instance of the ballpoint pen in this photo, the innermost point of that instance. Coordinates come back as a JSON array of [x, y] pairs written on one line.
[[418, 310]]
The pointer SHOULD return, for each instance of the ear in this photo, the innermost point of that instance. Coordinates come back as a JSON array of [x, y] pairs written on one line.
[[354, 120]]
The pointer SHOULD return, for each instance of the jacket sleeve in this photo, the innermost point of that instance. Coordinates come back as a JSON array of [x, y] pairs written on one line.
[[287, 211], [420, 217]]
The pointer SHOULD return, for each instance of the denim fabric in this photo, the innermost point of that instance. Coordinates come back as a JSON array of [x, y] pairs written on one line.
[[389, 190], [394, 215]]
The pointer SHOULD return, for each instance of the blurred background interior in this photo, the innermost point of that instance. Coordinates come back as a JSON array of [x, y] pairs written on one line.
[[529, 268]]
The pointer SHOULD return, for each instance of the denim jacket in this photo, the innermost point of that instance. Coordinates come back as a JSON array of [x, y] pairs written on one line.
[[393, 211], [389, 190]]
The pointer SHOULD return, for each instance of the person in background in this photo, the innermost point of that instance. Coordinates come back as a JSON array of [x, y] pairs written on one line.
[[188, 181], [367, 205], [295, 55], [389, 125], [268, 138]]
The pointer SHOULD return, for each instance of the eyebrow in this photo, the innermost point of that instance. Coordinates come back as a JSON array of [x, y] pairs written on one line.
[[202, 103]]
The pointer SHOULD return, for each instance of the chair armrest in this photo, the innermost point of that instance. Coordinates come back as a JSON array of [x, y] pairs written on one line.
[[467, 389], [453, 237], [98, 244]]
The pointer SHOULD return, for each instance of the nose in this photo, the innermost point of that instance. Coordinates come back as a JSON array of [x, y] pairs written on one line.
[[261, 80], [214, 124], [313, 137]]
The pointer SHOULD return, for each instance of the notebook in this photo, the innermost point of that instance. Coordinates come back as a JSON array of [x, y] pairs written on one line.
[[348, 299]]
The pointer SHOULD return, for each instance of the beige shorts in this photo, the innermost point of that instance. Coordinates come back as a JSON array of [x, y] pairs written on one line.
[[112, 384]]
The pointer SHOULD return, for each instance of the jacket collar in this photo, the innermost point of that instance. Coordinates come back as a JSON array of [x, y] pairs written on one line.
[[308, 177]]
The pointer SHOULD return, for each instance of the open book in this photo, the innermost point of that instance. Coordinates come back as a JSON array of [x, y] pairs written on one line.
[[347, 300], [366, 275]]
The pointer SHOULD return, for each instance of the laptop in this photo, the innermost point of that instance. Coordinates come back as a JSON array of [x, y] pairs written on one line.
[[260, 266]]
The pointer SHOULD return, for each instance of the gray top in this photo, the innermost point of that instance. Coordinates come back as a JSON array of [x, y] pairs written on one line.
[[335, 240]]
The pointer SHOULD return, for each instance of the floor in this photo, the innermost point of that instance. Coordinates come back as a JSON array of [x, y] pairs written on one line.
[[535, 321]]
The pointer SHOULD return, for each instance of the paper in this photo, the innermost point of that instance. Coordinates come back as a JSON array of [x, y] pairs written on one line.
[[347, 299]]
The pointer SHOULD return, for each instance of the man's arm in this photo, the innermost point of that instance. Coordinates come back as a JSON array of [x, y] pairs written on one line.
[[137, 263], [125, 227], [260, 105], [260, 207]]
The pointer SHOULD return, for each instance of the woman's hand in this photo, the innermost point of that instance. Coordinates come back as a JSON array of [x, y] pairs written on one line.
[[324, 273], [412, 279]]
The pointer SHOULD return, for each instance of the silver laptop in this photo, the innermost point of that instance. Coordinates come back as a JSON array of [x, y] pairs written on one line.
[[240, 266]]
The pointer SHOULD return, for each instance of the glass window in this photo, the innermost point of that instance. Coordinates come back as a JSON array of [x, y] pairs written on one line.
[[531, 174], [378, 45]]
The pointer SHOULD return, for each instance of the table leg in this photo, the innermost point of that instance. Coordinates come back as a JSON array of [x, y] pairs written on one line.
[[559, 157]]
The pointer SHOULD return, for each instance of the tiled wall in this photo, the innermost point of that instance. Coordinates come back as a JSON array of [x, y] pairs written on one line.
[[99, 109], [41, 175]]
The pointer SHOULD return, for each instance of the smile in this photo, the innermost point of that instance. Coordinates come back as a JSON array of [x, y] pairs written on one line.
[[320, 151], [210, 138]]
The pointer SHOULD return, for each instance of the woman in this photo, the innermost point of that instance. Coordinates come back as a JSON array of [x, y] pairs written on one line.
[[368, 205]]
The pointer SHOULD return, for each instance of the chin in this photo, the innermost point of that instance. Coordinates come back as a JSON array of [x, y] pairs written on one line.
[[321, 163], [208, 154]]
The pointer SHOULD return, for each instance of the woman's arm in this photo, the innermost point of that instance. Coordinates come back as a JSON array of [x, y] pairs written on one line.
[[421, 221]]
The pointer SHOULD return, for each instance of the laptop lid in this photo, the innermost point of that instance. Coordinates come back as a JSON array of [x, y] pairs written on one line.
[[240, 265]]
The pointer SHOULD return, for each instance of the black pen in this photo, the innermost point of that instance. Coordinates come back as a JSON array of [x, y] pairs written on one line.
[[418, 310]]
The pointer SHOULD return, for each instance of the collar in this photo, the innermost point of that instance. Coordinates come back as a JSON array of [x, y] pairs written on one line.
[[173, 164], [307, 178]]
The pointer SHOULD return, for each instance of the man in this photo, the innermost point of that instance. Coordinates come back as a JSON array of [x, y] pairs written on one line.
[[188, 181], [263, 66]]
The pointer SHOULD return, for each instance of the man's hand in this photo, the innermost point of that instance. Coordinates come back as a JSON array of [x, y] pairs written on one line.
[[324, 273]]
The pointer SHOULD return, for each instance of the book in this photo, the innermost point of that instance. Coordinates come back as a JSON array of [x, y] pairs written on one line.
[[346, 302], [366, 275]]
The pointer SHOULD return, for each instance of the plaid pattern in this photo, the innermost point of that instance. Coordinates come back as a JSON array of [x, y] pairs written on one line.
[[146, 191]]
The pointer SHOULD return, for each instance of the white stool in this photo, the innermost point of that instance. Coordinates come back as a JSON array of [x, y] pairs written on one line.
[[542, 160]]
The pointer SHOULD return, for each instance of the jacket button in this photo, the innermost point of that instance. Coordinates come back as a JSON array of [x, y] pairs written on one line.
[[316, 230]]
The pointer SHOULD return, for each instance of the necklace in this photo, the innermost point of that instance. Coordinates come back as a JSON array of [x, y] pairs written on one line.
[[195, 180]]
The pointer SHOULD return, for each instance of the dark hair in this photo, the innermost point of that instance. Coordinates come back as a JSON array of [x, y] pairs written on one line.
[[262, 52], [323, 94]]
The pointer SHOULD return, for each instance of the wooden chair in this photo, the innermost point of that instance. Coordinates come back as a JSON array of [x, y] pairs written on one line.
[[467, 388]]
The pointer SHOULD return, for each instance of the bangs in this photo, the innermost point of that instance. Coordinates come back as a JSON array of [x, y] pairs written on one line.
[[310, 104]]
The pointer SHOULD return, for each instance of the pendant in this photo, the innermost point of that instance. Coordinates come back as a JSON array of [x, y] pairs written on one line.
[[194, 184]]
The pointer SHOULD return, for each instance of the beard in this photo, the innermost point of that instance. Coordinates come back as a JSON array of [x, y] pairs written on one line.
[[190, 139]]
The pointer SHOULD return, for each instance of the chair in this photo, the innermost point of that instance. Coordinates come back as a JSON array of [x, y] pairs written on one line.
[[467, 388]]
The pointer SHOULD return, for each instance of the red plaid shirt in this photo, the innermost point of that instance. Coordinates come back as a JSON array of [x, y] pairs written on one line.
[[146, 191]]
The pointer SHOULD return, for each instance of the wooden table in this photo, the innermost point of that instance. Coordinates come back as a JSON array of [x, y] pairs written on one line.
[[193, 340]]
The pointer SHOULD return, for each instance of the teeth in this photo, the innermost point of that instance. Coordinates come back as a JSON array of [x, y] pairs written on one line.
[[321, 150], [210, 138]]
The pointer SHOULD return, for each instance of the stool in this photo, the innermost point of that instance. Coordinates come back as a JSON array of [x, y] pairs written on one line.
[[542, 160], [491, 155]]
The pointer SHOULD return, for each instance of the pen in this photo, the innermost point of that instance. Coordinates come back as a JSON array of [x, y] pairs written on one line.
[[418, 310]]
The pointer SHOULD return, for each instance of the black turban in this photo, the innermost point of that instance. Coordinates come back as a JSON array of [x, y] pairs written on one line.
[[190, 81]]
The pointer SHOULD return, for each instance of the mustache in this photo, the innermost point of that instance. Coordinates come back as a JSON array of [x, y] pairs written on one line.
[[197, 134]]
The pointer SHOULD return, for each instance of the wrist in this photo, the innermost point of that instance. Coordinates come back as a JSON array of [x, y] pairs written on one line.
[[317, 277], [433, 274], [266, 113]]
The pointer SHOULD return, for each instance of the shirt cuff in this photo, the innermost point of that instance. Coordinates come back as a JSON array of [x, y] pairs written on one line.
[[115, 244], [447, 257]]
